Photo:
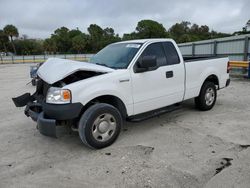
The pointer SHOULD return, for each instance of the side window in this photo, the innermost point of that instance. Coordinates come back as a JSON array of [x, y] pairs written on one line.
[[156, 49], [171, 53]]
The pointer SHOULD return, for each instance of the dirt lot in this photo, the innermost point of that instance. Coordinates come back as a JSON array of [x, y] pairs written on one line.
[[185, 148]]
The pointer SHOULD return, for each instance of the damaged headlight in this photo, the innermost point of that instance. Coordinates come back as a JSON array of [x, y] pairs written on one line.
[[58, 96]]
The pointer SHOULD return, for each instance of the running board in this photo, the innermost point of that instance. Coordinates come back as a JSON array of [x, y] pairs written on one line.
[[150, 114]]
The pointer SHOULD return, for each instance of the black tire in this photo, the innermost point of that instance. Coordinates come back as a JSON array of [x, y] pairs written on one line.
[[201, 102], [87, 124]]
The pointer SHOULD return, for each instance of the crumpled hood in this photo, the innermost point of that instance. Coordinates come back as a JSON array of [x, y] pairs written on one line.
[[55, 69]]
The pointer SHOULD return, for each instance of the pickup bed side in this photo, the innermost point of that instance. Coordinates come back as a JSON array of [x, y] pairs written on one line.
[[198, 71]]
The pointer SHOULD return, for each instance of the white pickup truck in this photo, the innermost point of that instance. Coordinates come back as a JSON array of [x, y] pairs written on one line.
[[128, 80]]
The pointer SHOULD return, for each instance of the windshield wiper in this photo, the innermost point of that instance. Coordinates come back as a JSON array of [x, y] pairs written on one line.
[[102, 64]]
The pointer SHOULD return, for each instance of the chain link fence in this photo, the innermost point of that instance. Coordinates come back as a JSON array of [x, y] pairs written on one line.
[[42, 58]]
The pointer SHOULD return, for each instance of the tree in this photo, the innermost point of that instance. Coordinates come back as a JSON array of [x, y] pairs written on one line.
[[74, 32], [109, 36], [179, 29], [79, 42], [29, 47], [3, 40], [49, 45], [62, 39], [11, 31], [129, 36], [96, 37], [150, 29]]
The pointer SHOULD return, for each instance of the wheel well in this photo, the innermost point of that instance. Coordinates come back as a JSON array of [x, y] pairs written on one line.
[[112, 100], [214, 79]]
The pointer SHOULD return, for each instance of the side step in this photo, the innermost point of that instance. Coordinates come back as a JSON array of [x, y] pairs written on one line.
[[153, 113]]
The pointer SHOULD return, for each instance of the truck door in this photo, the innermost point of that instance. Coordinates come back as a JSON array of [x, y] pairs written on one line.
[[161, 86]]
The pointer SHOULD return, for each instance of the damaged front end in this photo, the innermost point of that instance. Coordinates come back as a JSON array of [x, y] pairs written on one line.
[[47, 116], [55, 74]]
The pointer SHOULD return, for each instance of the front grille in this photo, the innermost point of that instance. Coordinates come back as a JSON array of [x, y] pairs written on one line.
[[42, 89]]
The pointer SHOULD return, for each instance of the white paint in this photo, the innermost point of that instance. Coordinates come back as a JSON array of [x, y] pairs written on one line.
[[141, 92]]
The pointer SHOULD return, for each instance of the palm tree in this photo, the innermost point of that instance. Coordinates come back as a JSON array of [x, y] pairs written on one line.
[[11, 31], [4, 40]]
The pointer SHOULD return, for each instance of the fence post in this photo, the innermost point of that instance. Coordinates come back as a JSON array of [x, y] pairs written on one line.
[[1, 58], [193, 49], [248, 70], [215, 48], [64, 56], [12, 57], [23, 58], [246, 49]]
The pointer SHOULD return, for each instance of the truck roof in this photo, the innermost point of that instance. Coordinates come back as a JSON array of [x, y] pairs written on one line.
[[147, 40]]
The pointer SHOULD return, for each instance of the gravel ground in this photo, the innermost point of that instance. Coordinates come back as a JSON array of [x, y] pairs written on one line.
[[185, 148]]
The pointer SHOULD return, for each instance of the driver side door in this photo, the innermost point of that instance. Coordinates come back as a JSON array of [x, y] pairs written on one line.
[[150, 87]]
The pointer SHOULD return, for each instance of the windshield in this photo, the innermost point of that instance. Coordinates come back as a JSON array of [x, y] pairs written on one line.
[[117, 56]]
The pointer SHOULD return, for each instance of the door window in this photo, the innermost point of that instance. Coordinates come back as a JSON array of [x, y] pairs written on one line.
[[156, 49]]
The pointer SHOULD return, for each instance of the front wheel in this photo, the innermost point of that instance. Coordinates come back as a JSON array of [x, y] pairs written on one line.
[[207, 97], [100, 125]]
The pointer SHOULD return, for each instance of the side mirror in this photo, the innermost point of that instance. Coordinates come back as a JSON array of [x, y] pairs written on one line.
[[145, 63]]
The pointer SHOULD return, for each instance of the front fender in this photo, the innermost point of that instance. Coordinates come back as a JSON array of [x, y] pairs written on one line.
[[109, 84]]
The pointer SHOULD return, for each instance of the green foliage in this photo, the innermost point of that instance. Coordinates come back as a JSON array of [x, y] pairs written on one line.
[[4, 40], [95, 38], [11, 31], [49, 46], [29, 47], [79, 43], [150, 29], [185, 32], [64, 40]]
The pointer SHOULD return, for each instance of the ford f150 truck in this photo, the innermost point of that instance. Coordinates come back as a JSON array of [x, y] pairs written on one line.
[[124, 81]]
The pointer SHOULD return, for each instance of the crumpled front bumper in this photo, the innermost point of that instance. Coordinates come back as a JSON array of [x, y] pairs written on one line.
[[47, 115]]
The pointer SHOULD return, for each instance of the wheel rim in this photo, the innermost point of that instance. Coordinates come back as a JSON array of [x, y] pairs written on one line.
[[210, 96], [104, 127]]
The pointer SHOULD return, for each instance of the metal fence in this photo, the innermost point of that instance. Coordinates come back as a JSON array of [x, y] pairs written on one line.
[[237, 48], [42, 58]]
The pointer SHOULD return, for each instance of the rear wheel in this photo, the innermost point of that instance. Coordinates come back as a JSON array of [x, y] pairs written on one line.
[[207, 97], [100, 125]]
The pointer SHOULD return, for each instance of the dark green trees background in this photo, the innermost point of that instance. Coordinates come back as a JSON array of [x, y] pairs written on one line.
[[64, 40]]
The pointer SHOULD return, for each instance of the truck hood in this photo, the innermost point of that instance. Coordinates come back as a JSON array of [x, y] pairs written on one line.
[[55, 69]]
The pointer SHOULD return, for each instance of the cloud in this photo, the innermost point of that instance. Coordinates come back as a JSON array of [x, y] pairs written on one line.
[[39, 19]]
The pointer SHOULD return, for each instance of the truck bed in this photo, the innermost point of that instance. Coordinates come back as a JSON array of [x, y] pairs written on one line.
[[198, 58], [197, 71]]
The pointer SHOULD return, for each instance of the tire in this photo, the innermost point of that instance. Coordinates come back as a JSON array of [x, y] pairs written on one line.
[[207, 97], [100, 125]]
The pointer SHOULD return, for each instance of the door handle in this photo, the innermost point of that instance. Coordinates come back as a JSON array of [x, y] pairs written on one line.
[[169, 74]]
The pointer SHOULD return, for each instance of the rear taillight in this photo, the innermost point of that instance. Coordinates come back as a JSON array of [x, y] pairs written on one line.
[[228, 67]]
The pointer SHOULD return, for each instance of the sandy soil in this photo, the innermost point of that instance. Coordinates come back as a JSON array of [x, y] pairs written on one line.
[[185, 148]]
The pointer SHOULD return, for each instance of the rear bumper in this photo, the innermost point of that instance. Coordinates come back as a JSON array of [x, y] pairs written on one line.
[[47, 115]]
